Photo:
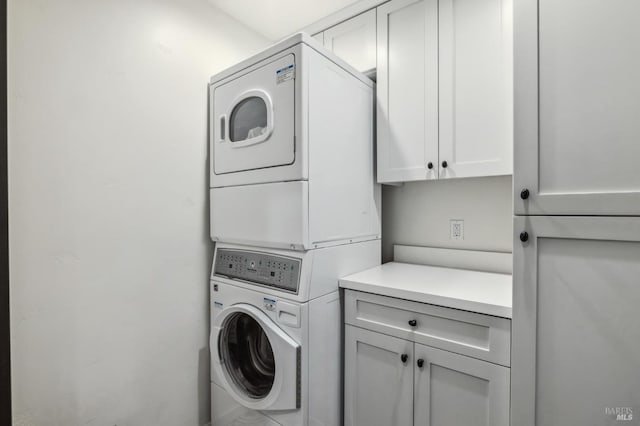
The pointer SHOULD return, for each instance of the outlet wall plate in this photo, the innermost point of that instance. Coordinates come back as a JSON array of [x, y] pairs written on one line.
[[456, 229]]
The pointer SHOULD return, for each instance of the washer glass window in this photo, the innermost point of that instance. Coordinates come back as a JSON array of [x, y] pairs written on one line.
[[247, 355]]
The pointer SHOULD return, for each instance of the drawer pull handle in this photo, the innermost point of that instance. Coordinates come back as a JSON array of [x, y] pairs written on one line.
[[420, 363], [524, 194], [413, 323], [404, 358], [524, 237]]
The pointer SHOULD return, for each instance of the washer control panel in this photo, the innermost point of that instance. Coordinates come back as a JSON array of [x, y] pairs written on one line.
[[261, 268]]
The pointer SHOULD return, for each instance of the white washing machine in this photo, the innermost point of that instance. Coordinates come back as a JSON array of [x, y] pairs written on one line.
[[275, 338], [292, 149]]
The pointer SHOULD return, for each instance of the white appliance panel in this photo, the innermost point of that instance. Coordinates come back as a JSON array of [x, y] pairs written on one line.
[[272, 214], [342, 197], [254, 118]]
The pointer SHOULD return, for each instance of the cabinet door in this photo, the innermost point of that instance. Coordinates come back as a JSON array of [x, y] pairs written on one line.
[[407, 92], [319, 37], [576, 324], [455, 390], [476, 88], [378, 383], [577, 104], [355, 40]]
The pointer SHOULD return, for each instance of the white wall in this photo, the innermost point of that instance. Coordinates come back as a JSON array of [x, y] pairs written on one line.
[[108, 232], [418, 213]]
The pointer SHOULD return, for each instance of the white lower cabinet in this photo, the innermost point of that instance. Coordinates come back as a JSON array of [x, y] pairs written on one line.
[[455, 390], [395, 381], [379, 384]]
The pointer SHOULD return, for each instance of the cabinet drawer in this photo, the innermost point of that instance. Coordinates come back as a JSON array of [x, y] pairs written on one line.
[[476, 335]]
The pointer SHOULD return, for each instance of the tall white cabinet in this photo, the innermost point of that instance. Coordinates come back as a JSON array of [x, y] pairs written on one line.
[[576, 328], [577, 107], [445, 93], [576, 322]]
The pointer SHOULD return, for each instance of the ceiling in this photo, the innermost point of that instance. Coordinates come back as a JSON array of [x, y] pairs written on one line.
[[275, 19]]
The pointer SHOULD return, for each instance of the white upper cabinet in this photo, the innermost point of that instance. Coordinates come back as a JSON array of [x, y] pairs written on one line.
[[354, 40], [577, 106], [476, 87], [319, 37], [445, 89], [407, 90]]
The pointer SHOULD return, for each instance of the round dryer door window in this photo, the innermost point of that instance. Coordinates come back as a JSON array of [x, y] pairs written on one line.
[[248, 119], [247, 354]]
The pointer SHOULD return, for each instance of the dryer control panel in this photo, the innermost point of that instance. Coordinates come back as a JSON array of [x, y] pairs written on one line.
[[261, 268]]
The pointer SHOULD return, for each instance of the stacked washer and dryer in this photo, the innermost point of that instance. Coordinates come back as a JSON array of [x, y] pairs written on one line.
[[294, 207]]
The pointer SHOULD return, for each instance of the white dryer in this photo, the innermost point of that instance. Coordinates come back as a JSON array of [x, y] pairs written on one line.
[[276, 333], [291, 150]]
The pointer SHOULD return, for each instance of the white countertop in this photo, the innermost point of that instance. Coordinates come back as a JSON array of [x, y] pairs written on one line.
[[483, 292]]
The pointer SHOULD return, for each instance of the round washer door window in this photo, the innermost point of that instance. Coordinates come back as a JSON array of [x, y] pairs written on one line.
[[247, 354]]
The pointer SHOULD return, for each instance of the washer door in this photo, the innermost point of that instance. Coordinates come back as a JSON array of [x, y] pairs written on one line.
[[258, 362]]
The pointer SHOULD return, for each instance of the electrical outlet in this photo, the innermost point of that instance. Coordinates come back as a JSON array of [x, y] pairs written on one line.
[[456, 229]]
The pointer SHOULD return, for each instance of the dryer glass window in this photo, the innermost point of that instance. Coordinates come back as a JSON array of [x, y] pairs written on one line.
[[247, 355], [248, 119]]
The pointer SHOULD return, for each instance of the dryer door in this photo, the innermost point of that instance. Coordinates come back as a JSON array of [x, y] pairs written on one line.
[[253, 118], [258, 362]]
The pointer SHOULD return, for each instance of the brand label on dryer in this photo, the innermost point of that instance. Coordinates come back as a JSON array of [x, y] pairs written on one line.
[[286, 73]]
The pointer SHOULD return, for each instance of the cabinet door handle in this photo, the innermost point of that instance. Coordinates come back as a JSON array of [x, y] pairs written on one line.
[[429, 165], [404, 358], [420, 363], [445, 164], [524, 236], [413, 323], [524, 194]]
